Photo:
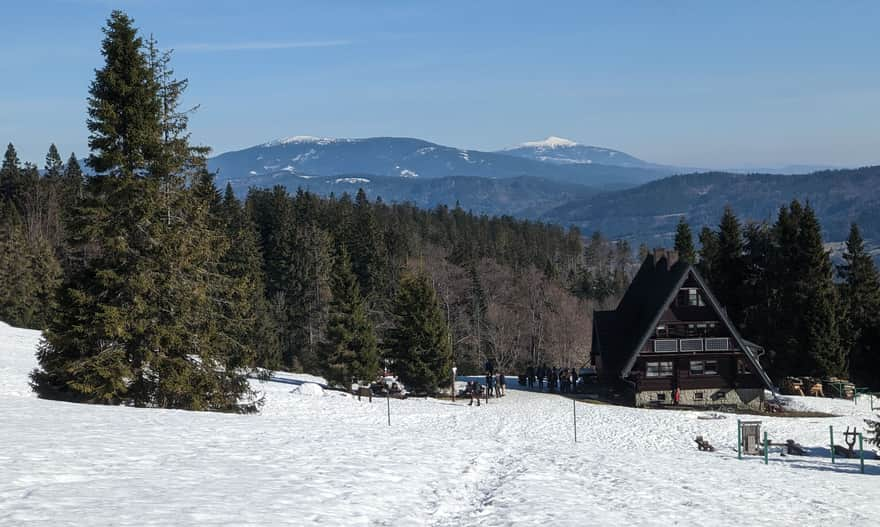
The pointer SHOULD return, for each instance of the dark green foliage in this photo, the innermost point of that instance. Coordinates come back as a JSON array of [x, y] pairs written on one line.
[[684, 242], [728, 266], [709, 254], [54, 165], [860, 323], [350, 352], [148, 314], [419, 343], [29, 274], [10, 173], [124, 104], [778, 287]]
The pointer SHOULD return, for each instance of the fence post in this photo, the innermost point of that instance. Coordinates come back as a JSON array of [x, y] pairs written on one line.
[[575, 415], [388, 399], [739, 439], [766, 450], [831, 432], [861, 455]]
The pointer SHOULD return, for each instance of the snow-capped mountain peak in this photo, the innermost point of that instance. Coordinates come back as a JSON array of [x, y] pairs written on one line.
[[301, 139], [550, 142]]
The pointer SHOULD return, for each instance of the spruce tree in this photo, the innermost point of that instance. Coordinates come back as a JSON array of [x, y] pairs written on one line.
[[10, 174], [366, 246], [148, 315], [684, 242], [820, 311], [709, 255], [419, 341], [350, 351], [72, 182], [54, 165], [728, 273], [860, 293]]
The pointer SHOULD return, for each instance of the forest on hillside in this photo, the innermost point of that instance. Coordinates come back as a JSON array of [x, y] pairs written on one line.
[[155, 288], [781, 289]]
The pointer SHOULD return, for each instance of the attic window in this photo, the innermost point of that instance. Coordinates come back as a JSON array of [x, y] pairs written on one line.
[[690, 296]]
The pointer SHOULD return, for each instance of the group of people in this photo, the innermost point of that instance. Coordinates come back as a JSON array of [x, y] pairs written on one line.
[[496, 386], [563, 380]]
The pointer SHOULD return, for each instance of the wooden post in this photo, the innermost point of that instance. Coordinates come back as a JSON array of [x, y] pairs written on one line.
[[861, 455], [575, 414], [388, 400], [739, 439], [766, 449], [831, 432]]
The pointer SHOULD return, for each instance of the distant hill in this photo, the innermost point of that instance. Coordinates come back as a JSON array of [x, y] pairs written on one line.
[[523, 197], [566, 152], [408, 158], [649, 213]]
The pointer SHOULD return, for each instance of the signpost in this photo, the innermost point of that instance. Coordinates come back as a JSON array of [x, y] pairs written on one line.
[[831, 432], [454, 369]]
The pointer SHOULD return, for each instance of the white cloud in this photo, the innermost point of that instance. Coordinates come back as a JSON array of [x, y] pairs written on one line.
[[205, 47]]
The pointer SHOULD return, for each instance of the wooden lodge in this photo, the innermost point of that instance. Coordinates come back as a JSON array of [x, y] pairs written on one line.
[[670, 342]]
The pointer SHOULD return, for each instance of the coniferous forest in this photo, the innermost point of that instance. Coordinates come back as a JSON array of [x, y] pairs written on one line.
[[155, 288]]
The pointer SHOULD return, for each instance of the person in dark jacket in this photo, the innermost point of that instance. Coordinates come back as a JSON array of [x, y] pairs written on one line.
[[473, 389], [530, 377], [490, 385], [542, 371]]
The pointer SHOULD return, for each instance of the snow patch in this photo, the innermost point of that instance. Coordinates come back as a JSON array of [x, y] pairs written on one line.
[[309, 389], [408, 173], [352, 180], [550, 142]]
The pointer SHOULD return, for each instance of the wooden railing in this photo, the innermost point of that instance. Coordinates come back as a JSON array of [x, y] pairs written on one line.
[[689, 345]]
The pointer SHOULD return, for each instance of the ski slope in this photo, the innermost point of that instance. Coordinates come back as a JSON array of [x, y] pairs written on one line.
[[327, 459]]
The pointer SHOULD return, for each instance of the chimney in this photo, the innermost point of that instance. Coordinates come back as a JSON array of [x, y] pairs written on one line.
[[660, 255], [672, 257]]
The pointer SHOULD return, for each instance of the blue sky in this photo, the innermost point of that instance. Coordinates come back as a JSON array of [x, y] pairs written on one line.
[[707, 84]]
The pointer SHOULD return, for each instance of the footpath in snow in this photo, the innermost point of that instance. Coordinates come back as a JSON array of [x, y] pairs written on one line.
[[317, 457]]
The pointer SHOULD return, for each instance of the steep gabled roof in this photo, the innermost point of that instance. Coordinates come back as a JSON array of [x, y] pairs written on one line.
[[623, 334]]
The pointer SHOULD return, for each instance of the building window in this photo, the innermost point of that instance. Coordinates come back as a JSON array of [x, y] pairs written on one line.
[[658, 369], [711, 367], [661, 396], [690, 296], [662, 331], [704, 367], [698, 396]]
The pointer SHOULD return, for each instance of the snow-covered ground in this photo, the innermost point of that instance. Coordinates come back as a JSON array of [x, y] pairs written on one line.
[[319, 457]]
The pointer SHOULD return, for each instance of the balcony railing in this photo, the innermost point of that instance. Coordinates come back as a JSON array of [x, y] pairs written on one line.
[[692, 345]]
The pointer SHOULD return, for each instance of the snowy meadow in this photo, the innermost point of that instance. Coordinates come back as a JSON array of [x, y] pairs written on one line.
[[314, 457]]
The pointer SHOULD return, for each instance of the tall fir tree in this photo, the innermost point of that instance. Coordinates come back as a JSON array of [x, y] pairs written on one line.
[[419, 342], [806, 339], [72, 182], [54, 166], [727, 274], [366, 247], [10, 174], [684, 242], [709, 254], [350, 352], [860, 292], [138, 320]]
